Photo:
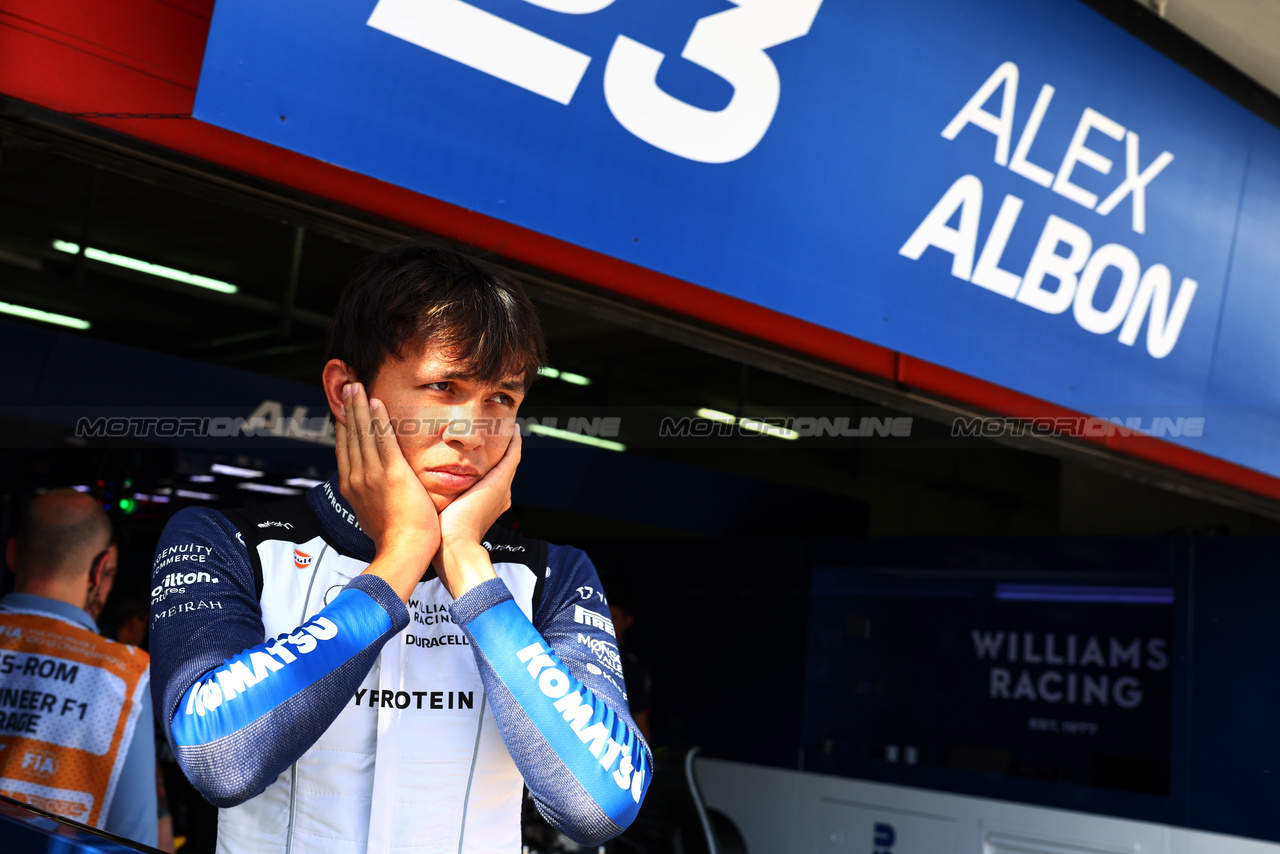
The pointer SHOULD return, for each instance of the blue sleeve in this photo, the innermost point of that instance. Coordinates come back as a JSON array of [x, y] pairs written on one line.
[[238, 708], [556, 694], [133, 808]]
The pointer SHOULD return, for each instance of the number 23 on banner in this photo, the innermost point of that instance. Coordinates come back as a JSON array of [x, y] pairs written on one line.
[[731, 44]]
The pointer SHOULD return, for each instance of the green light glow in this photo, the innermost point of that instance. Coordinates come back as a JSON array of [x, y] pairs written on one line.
[[146, 267], [564, 376], [43, 316], [717, 415], [594, 442]]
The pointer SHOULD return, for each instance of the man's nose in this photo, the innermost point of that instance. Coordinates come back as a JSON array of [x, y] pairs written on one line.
[[464, 428]]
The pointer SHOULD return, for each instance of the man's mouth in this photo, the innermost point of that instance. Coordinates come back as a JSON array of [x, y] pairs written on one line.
[[453, 477]]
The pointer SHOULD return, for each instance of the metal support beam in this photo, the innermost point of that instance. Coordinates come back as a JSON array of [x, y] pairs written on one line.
[[291, 285]]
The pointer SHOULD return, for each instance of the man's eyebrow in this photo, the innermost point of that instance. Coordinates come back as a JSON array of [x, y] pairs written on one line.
[[509, 383], [453, 375]]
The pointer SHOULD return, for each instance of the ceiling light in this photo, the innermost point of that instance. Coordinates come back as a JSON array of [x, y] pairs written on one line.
[[753, 424], [43, 316], [303, 481], [202, 478], [267, 487], [201, 496], [768, 429], [556, 433], [575, 379], [716, 415], [146, 267], [564, 376], [234, 471]]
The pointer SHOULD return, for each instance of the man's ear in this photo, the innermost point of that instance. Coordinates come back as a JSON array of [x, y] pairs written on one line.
[[96, 570], [335, 375], [11, 553]]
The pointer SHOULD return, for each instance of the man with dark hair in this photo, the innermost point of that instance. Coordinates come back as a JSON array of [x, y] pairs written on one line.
[[376, 664], [76, 734]]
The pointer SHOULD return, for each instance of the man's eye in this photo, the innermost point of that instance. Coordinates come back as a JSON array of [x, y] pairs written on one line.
[[440, 386], [504, 399]]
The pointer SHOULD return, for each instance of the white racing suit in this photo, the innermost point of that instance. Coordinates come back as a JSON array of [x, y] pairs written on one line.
[[321, 714]]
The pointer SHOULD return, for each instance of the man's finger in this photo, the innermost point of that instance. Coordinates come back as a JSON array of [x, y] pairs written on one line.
[[355, 465], [384, 437], [340, 447], [364, 426], [511, 457]]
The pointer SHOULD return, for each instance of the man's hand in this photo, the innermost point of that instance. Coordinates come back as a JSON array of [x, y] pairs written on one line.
[[465, 562], [391, 504]]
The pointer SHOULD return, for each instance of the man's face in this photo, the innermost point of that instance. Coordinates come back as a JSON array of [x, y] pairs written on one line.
[[452, 426]]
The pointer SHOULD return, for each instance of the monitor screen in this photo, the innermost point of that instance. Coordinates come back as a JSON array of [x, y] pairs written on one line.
[[990, 673]]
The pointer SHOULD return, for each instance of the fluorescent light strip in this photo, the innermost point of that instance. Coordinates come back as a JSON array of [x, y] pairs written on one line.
[[594, 442], [768, 429], [752, 424], [267, 487], [146, 267], [43, 316], [716, 415], [564, 376], [234, 471], [157, 499], [200, 496], [202, 478], [303, 481]]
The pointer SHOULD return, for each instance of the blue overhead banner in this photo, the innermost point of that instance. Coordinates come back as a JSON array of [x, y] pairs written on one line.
[[1019, 191]]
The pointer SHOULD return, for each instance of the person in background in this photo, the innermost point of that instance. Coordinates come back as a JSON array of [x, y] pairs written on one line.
[[638, 679], [124, 618], [76, 731]]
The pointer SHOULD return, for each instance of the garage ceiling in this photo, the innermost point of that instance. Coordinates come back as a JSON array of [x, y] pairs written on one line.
[[1245, 33]]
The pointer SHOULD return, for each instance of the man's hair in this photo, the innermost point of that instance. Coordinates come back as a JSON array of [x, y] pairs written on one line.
[[421, 293], [59, 528]]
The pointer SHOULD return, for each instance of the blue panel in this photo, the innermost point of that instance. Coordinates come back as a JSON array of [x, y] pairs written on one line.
[[1244, 391], [810, 220]]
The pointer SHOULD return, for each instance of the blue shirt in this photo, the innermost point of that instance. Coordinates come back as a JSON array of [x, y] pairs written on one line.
[[133, 809]]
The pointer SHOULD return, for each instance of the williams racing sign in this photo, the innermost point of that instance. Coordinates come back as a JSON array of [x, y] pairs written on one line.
[[981, 673]]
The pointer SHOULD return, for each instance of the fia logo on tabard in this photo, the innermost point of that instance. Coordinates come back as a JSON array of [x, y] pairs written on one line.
[[41, 763], [301, 559]]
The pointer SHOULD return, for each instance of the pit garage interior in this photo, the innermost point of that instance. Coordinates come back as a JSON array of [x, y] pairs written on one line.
[[717, 538]]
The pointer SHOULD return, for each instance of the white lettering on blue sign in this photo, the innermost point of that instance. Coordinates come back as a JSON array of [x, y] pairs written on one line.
[[1064, 252], [730, 44]]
